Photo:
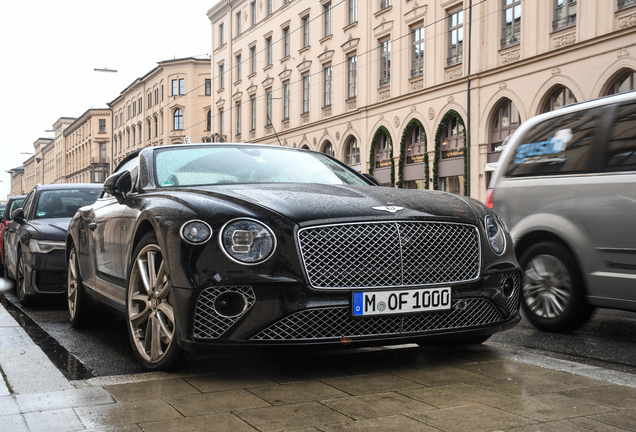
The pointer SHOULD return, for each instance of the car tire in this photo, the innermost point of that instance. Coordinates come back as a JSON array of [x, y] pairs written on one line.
[[552, 293], [149, 308], [24, 298], [79, 308]]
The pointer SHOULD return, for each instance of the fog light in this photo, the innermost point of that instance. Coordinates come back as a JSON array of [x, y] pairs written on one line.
[[230, 304], [508, 286]]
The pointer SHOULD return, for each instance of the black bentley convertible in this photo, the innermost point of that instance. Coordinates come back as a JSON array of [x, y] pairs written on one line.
[[207, 245]]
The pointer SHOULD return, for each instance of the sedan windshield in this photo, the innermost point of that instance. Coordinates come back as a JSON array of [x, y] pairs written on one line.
[[206, 165], [64, 203]]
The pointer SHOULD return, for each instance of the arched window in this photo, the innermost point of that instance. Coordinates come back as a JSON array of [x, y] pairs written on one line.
[[505, 121], [149, 129], [178, 119], [156, 126], [624, 82], [382, 151], [305, 147], [560, 97], [452, 139], [353, 151], [209, 122], [327, 149], [415, 145], [133, 136]]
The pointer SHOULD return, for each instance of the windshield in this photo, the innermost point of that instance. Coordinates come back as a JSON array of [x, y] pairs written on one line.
[[64, 203], [207, 165]]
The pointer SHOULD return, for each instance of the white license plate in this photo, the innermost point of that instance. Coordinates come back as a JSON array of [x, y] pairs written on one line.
[[369, 303]]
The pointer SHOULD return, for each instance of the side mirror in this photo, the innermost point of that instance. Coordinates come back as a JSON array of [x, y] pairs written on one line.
[[118, 185], [372, 179], [18, 215]]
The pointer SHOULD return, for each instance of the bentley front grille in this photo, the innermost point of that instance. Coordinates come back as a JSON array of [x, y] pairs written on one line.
[[208, 323], [337, 322], [389, 254]]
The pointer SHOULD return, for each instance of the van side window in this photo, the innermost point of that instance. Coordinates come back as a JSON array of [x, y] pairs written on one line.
[[560, 145], [621, 147]]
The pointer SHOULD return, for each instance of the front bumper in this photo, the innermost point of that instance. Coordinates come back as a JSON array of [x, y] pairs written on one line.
[[290, 314], [48, 272]]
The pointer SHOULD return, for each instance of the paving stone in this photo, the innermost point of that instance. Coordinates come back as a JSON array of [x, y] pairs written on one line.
[[13, 423], [441, 375], [473, 418], [376, 405], [367, 384], [229, 381], [217, 402], [64, 399], [53, 421], [292, 417], [453, 395], [126, 428], [625, 419], [126, 413], [283, 374], [296, 393], [225, 422], [578, 424], [150, 389], [613, 396], [382, 424], [550, 407], [525, 386], [8, 406]]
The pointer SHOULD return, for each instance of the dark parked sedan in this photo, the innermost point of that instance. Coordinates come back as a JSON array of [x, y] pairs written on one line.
[[13, 203], [201, 246], [34, 238]]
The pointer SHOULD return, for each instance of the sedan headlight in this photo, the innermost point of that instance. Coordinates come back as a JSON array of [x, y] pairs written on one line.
[[495, 235], [196, 232], [247, 241], [46, 246]]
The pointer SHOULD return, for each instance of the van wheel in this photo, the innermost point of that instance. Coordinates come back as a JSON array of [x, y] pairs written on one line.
[[553, 297]]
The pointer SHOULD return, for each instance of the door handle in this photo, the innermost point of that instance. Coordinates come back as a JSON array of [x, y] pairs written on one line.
[[92, 226]]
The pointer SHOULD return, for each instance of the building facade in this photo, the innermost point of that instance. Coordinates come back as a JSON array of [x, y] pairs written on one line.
[[59, 174], [87, 147], [422, 94], [168, 104], [17, 181]]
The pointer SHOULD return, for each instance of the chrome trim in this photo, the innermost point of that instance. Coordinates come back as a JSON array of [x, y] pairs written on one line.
[[192, 243], [617, 250], [253, 220], [387, 222]]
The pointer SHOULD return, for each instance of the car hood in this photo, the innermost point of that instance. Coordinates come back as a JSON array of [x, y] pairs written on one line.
[[51, 228], [309, 203]]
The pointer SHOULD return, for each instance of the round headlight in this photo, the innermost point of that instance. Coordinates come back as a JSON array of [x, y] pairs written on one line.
[[196, 232], [495, 235], [247, 241]]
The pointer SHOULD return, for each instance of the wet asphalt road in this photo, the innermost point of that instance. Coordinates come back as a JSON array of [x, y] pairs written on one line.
[[607, 340]]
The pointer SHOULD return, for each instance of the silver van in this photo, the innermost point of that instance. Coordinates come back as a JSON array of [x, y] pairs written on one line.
[[566, 187]]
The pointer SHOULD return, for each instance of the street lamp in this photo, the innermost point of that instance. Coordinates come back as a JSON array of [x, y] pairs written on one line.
[[105, 69]]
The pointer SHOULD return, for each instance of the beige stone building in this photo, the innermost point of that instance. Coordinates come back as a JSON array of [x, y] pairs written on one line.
[[17, 181], [34, 169], [168, 104], [87, 147], [58, 175], [391, 86]]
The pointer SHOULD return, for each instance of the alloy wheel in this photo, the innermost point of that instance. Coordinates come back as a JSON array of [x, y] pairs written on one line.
[[72, 290], [547, 286], [150, 310]]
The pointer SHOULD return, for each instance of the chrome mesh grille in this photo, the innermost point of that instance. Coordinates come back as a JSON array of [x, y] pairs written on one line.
[[337, 322], [513, 300], [388, 254], [208, 324]]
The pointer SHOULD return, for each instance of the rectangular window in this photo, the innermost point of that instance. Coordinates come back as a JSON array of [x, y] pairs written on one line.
[[268, 42], [306, 31], [286, 94], [175, 88], [352, 66], [129, 111], [208, 87], [157, 96], [139, 104], [221, 35], [221, 76], [149, 100], [455, 37], [253, 12], [238, 68], [306, 93], [286, 42], [102, 125], [253, 114], [238, 118], [353, 11], [564, 13], [253, 59], [181, 86], [327, 15], [134, 108], [162, 92], [102, 148], [385, 63], [511, 32], [417, 52], [269, 108], [270, 7], [220, 122], [385, 4], [238, 23], [327, 85]]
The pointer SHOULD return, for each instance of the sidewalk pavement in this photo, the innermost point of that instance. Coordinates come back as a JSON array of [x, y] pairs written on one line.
[[401, 389]]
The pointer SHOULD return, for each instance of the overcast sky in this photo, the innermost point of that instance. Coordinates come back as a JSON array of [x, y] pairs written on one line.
[[48, 50]]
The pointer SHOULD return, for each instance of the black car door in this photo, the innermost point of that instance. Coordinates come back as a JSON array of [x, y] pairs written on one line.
[[12, 238]]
